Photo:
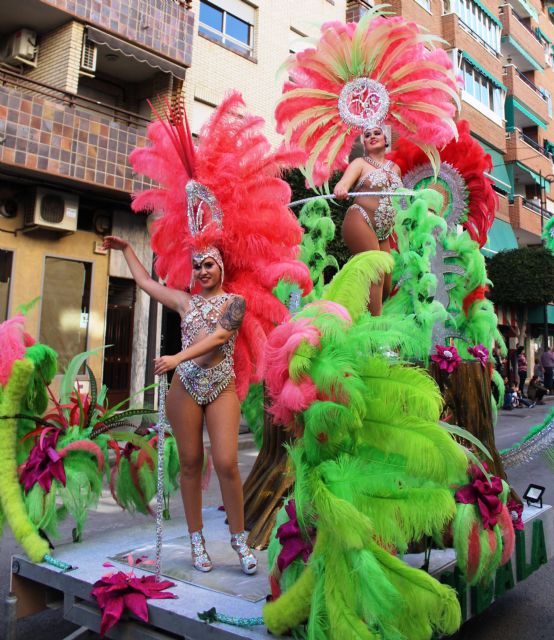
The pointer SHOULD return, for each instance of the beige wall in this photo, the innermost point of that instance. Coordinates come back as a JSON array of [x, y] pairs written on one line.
[[215, 69], [28, 272]]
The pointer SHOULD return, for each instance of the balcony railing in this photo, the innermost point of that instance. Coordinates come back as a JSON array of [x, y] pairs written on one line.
[[524, 24], [18, 81], [535, 145], [530, 84]]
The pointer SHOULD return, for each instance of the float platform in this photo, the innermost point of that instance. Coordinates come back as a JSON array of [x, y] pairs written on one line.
[[38, 586]]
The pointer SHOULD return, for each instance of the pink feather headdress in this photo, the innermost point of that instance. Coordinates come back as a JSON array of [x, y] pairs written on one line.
[[380, 70], [226, 193]]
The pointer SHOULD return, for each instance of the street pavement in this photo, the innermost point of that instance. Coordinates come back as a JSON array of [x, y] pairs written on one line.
[[526, 612]]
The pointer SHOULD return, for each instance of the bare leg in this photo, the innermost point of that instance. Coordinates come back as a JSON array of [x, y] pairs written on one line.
[[222, 421], [186, 418], [358, 237], [384, 245]]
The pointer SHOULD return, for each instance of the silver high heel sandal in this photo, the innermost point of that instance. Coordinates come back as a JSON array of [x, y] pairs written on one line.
[[200, 558], [248, 561]]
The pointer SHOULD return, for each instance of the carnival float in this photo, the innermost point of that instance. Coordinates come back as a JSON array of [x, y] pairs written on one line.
[[378, 490]]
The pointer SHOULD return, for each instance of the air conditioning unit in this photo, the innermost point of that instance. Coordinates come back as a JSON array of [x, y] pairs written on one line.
[[88, 57], [50, 209], [20, 48]]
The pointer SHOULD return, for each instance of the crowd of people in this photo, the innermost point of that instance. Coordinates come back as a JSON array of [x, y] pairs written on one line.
[[514, 373]]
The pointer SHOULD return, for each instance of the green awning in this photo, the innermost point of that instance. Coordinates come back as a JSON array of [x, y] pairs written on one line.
[[536, 314], [534, 63], [530, 9], [536, 177], [499, 173], [488, 13], [501, 237], [483, 71], [513, 103], [542, 35]]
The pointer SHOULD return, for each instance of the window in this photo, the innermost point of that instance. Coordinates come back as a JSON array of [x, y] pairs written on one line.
[[201, 111], [481, 88], [65, 311], [297, 41], [474, 19], [426, 4], [6, 262], [230, 22]]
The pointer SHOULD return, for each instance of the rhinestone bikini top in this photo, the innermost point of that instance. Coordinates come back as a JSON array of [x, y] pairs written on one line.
[[202, 318], [384, 178]]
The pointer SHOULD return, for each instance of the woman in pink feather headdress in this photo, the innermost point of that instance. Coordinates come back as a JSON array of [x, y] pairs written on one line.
[[383, 70], [222, 221]]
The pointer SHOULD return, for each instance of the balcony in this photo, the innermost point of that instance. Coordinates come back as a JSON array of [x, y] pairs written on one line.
[[527, 152], [460, 36], [525, 218], [525, 106], [50, 131], [163, 26], [519, 42]]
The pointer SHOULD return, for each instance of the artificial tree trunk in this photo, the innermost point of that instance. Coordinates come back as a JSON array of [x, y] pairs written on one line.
[[467, 404], [268, 484]]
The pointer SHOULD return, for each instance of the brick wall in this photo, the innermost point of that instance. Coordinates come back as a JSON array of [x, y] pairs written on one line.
[[59, 57], [165, 26]]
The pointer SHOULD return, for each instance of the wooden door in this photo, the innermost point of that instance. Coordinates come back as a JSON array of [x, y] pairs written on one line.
[[119, 334]]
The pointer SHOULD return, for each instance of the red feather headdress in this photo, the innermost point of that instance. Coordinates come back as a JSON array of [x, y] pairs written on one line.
[[226, 192]]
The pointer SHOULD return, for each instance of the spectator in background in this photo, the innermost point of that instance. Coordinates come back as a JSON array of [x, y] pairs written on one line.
[[535, 390], [521, 368], [547, 362], [497, 360], [538, 371]]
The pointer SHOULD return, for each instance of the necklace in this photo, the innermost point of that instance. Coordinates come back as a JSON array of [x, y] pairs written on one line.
[[374, 163]]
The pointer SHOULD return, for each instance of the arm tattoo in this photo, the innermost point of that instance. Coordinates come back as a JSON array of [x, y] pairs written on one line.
[[232, 318]]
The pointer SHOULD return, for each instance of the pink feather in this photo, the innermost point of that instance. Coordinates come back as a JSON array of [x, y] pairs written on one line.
[[87, 446], [13, 344]]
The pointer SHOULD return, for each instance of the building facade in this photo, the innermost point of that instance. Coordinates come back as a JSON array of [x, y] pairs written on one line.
[[76, 77]]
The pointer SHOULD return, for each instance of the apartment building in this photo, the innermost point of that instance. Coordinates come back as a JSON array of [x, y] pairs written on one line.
[[75, 76], [242, 45]]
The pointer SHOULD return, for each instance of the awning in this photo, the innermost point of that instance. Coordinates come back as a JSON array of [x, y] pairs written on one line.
[[499, 174], [534, 63], [132, 51], [536, 314], [483, 71], [542, 182], [488, 13], [501, 237], [513, 103], [542, 35]]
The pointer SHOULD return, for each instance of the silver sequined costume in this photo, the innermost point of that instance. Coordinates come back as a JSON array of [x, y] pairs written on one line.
[[201, 319], [385, 179]]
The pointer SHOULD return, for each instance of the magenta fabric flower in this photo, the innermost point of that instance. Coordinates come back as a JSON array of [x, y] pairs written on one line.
[[116, 591], [484, 494], [447, 358], [516, 511], [43, 464], [479, 352], [290, 536]]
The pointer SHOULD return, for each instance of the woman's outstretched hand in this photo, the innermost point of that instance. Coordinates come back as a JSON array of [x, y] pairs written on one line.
[[163, 364], [114, 242]]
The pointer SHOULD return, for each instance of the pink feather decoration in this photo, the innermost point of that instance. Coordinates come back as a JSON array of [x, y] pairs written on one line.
[[508, 534], [260, 236], [85, 446], [419, 80], [13, 344]]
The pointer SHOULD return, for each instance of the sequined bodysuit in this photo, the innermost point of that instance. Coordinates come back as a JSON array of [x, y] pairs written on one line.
[[384, 179], [204, 384]]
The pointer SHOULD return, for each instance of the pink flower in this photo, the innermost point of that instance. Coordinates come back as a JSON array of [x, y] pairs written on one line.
[[116, 591], [479, 352], [447, 358]]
